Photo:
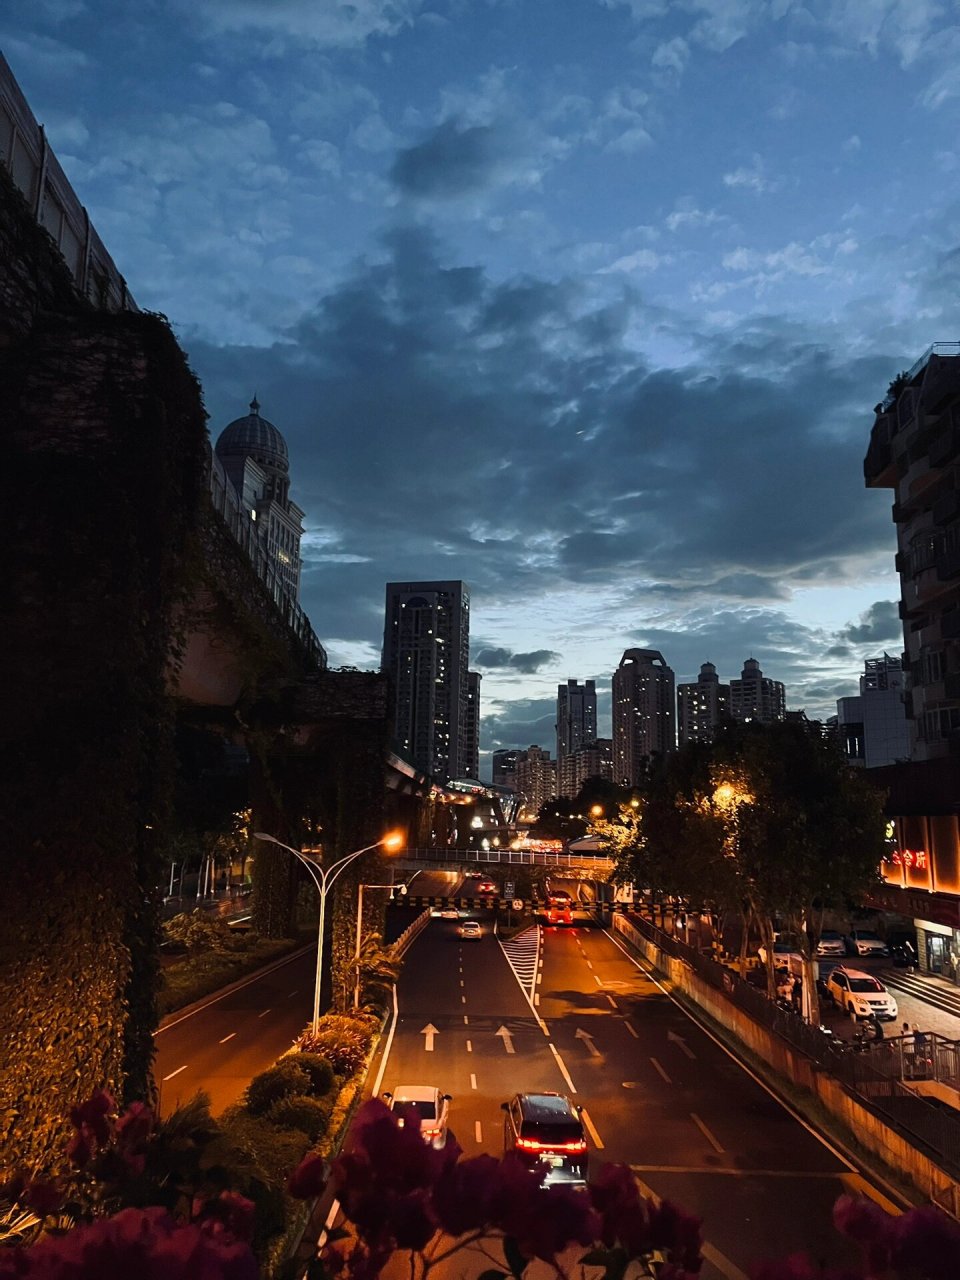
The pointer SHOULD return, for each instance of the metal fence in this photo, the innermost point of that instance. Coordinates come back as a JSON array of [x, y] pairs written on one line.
[[879, 1074], [507, 857]]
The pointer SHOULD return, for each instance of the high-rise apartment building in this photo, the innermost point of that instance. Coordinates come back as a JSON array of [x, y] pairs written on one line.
[[471, 741], [701, 705], [576, 716], [594, 760], [644, 712], [873, 727], [755, 697], [915, 450], [505, 767], [426, 646], [536, 780]]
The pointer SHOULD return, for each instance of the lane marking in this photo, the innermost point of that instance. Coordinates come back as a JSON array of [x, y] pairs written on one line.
[[466, 1021], [536, 998], [631, 1028], [463, 999], [851, 1168], [563, 1070], [229, 1037], [755, 1173], [598, 980], [526, 995], [389, 1045], [657, 1067], [175, 1073], [729, 1270], [461, 982], [291, 994], [477, 1131], [613, 1003], [588, 964], [591, 1129], [706, 1133], [469, 1046], [473, 1081], [539, 978], [264, 1014], [859, 1186]]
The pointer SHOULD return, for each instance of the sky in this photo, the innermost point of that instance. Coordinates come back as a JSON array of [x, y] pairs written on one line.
[[584, 302]]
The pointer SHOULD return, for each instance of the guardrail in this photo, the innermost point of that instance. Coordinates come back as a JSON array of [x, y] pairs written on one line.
[[508, 857], [399, 945]]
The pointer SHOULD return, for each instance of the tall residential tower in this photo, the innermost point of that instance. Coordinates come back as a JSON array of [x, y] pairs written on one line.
[[426, 647], [644, 711]]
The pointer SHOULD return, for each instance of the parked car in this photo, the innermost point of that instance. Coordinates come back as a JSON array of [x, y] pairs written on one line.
[[866, 942], [426, 1102], [860, 994], [831, 943], [785, 956], [470, 929], [546, 1127]]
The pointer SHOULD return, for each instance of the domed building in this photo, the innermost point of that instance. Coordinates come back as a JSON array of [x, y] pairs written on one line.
[[250, 483]]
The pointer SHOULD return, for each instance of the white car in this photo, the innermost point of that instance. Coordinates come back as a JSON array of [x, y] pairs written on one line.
[[831, 944], [785, 956], [860, 993], [426, 1102], [864, 942], [470, 929]]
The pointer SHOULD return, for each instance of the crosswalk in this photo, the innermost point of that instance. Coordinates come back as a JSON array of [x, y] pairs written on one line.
[[912, 985], [523, 955]]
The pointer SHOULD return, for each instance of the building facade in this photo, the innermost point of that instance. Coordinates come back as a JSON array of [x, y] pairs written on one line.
[[536, 781], [701, 705], [576, 716], [915, 450], [505, 767], [644, 712], [873, 727], [593, 760], [755, 697], [426, 646], [471, 741]]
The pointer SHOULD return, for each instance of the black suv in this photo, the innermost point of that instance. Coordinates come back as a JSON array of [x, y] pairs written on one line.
[[547, 1127]]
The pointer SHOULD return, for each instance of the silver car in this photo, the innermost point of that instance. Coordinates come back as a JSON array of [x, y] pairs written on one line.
[[428, 1103]]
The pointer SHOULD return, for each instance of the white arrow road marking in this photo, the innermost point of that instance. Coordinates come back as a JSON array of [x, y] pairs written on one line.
[[673, 1038], [588, 1041], [591, 1129], [175, 1073], [429, 1031], [660, 1071], [507, 1039], [706, 1133]]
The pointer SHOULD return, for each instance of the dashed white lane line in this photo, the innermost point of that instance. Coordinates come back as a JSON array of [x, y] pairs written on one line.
[[264, 1014], [175, 1073], [598, 980], [536, 998], [613, 1003], [466, 1021], [229, 1037], [463, 999], [469, 1046], [706, 1133], [632, 1029], [591, 1129], [660, 1071], [539, 978], [473, 1081], [563, 1070], [477, 1130], [589, 965], [291, 994]]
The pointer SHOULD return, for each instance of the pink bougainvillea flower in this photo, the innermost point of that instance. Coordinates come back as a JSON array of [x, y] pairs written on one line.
[[81, 1148], [561, 1216], [134, 1128], [677, 1234], [309, 1178], [399, 1158], [799, 1266], [230, 1213], [412, 1221], [862, 1220], [94, 1114], [43, 1198], [515, 1194], [927, 1243], [462, 1199], [623, 1211]]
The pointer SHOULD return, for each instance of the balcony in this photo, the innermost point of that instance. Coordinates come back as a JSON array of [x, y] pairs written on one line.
[[942, 382], [878, 469], [947, 508], [948, 565], [950, 624], [951, 687], [945, 447]]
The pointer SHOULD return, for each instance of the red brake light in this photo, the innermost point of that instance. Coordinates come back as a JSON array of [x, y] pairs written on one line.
[[531, 1144]]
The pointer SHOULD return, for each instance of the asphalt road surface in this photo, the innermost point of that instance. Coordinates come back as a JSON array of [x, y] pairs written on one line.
[[658, 1092]]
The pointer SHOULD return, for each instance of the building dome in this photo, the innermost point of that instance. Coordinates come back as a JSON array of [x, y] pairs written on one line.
[[254, 437]]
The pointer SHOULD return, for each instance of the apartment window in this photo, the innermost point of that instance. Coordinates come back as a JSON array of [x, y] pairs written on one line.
[[933, 666]]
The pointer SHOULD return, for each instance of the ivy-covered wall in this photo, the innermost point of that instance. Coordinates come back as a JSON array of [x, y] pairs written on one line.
[[103, 489]]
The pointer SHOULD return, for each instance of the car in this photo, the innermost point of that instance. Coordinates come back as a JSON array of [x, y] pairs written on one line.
[[860, 993], [866, 942], [486, 886], [831, 943], [448, 913], [473, 875], [547, 1128], [470, 929], [428, 1104], [785, 956], [559, 913]]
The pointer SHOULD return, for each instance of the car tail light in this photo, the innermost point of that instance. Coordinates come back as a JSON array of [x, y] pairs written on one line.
[[531, 1144], [429, 1133]]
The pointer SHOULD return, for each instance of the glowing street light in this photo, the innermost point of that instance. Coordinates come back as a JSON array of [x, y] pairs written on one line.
[[323, 878]]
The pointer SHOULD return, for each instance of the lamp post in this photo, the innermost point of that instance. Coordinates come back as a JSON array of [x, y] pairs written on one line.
[[323, 878], [400, 888]]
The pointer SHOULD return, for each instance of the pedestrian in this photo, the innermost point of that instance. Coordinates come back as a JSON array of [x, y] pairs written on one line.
[[877, 1026], [919, 1040], [797, 993]]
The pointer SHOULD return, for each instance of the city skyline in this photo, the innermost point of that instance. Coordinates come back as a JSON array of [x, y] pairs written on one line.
[[590, 312]]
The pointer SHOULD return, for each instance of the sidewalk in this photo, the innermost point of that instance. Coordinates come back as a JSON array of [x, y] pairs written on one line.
[[932, 1003]]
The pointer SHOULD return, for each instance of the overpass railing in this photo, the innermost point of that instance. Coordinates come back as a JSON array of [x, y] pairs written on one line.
[[509, 858]]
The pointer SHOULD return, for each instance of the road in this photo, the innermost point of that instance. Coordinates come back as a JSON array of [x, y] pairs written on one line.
[[658, 1092]]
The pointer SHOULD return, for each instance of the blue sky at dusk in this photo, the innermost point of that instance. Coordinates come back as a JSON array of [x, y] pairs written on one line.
[[586, 302]]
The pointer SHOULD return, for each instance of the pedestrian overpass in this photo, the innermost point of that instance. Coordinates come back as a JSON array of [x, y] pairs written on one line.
[[592, 866]]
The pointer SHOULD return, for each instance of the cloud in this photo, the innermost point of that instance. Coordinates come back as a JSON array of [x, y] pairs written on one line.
[[753, 178], [672, 55], [688, 215], [331, 23], [528, 663], [454, 161], [880, 623]]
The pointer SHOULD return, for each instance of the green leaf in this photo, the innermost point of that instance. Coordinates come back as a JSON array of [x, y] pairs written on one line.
[[515, 1259]]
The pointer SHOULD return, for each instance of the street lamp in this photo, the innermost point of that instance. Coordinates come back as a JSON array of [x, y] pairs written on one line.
[[323, 878], [401, 889]]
